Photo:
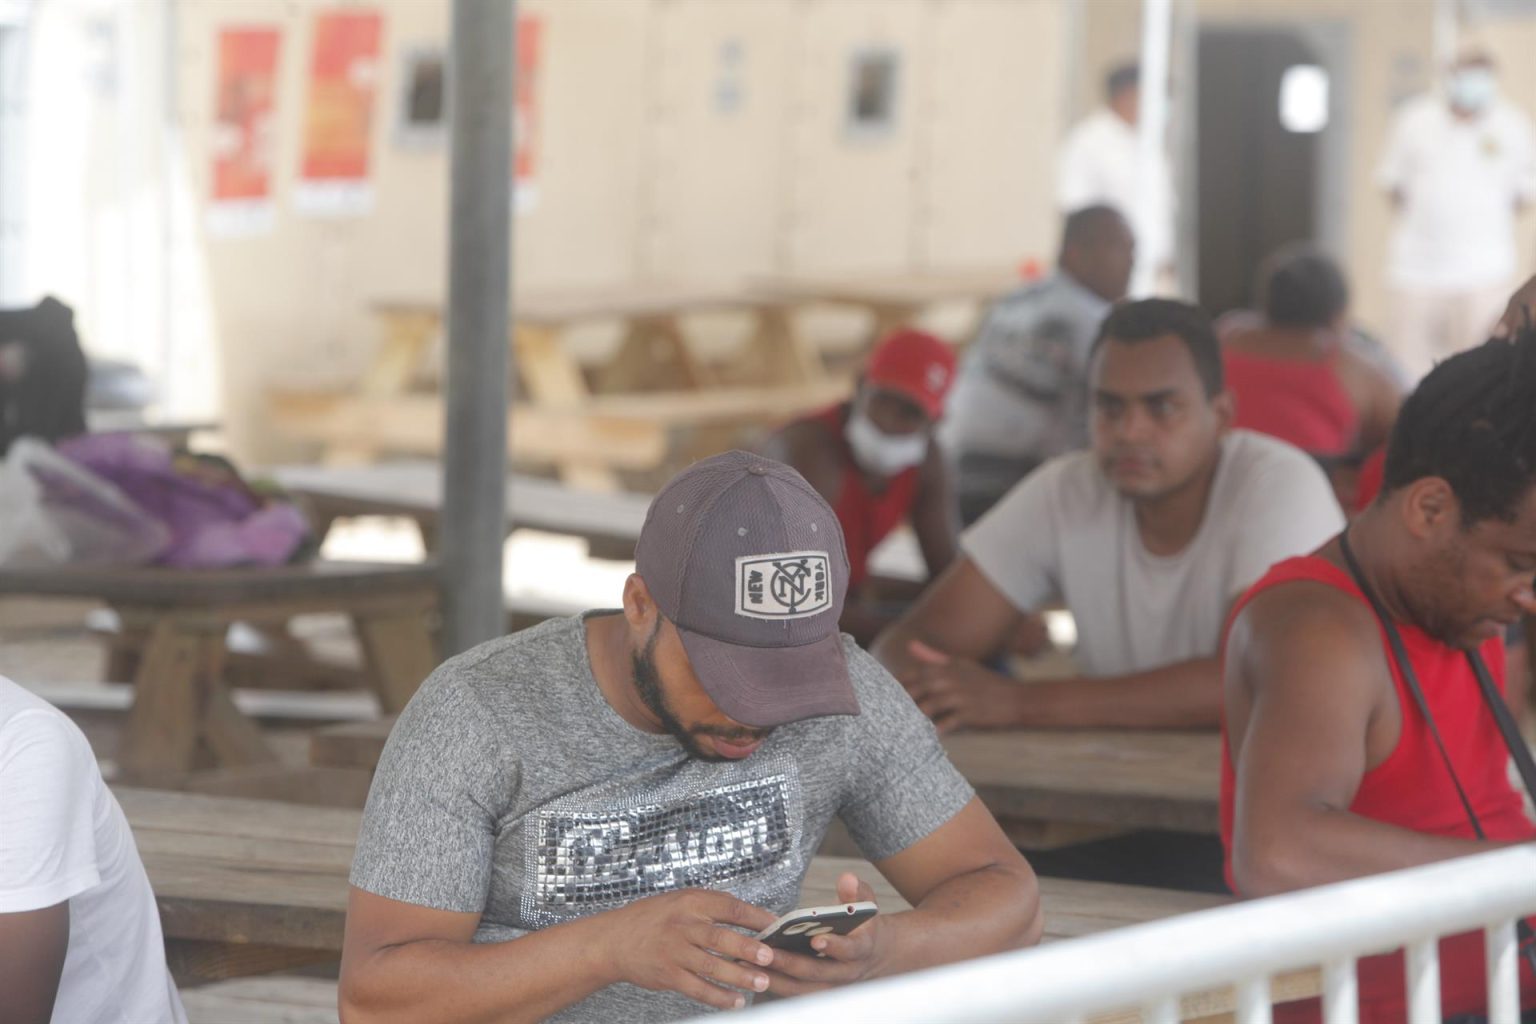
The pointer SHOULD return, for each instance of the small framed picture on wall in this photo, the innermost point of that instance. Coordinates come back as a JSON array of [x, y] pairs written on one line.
[[421, 121], [874, 92]]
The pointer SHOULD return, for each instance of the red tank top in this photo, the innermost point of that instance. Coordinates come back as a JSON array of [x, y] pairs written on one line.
[[1301, 403], [1413, 790], [867, 517]]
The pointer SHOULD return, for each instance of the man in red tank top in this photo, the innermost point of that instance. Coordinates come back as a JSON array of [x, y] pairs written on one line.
[[1331, 770], [875, 461]]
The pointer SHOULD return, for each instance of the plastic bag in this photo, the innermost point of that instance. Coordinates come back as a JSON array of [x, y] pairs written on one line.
[[53, 512]]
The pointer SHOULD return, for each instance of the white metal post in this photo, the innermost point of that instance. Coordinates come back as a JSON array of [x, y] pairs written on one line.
[[1503, 973], [1253, 1002], [1424, 981], [1152, 127]]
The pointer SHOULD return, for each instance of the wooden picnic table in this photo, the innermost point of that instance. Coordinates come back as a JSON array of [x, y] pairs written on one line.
[[587, 439], [413, 488], [609, 522], [1102, 779], [250, 886], [654, 354], [892, 300], [182, 716], [1126, 778]]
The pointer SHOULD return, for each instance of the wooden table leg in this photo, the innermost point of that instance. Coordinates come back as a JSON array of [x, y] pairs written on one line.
[[407, 337], [160, 740], [888, 318], [785, 354], [233, 739], [552, 379], [125, 649], [399, 653], [654, 355]]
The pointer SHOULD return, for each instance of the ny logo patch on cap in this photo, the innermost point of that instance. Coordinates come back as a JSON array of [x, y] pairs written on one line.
[[795, 585]]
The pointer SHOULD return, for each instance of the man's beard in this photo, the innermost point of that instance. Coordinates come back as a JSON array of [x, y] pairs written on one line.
[[648, 686]]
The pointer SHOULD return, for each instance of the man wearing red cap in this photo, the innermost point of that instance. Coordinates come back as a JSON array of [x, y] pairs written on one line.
[[875, 461]]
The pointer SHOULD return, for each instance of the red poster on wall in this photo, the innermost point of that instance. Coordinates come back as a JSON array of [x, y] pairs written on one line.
[[241, 144], [525, 111], [338, 123]]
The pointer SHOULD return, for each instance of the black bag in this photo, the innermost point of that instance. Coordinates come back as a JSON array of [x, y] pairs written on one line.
[[42, 374]]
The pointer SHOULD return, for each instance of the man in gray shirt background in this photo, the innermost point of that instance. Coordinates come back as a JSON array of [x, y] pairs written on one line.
[[586, 820], [1020, 398]]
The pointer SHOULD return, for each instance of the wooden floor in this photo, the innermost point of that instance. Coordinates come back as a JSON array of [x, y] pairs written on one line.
[[278, 999]]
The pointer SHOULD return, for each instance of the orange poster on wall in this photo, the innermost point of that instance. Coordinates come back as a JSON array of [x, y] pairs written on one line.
[[241, 144], [525, 111], [338, 123]]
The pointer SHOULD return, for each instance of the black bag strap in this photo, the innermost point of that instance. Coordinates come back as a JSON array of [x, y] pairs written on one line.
[[1410, 677], [1491, 697], [1519, 750]]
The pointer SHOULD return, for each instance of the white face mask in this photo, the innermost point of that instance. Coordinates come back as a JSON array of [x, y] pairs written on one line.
[[883, 454], [1472, 89]]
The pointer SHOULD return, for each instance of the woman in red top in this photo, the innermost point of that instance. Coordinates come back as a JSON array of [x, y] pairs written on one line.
[[1294, 376], [874, 460], [1330, 771]]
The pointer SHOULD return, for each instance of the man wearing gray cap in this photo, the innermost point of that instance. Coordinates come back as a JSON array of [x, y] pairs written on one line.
[[586, 820]]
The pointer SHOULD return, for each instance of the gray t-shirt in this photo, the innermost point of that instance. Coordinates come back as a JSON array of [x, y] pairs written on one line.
[[1021, 390], [512, 789]]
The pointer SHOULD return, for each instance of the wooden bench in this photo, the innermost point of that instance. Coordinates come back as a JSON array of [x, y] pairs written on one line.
[[249, 886], [182, 716]]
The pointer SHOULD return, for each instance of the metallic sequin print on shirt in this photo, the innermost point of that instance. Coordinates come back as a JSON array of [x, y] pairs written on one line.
[[735, 827]]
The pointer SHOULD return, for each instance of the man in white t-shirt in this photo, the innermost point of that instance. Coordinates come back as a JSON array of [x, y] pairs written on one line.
[[1149, 537], [1459, 168], [1101, 163], [80, 939]]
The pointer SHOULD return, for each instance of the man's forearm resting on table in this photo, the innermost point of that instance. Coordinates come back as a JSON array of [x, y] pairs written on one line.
[[1321, 845], [975, 914], [1186, 694], [526, 979]]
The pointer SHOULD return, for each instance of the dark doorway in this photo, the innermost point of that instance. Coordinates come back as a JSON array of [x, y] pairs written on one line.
[[1258, 174]]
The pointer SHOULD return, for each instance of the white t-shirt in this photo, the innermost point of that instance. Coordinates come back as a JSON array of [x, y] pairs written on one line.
[[1101, 162], [1065, 533], [1460, 181], [64, 837]]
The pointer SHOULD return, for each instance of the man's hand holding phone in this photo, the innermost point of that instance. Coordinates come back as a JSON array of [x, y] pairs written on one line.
[[685, 942], [843, 958]]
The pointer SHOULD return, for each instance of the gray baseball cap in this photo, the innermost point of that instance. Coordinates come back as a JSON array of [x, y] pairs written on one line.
[[747, 561]]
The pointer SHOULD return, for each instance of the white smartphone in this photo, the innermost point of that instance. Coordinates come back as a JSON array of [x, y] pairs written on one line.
[[794, 931]]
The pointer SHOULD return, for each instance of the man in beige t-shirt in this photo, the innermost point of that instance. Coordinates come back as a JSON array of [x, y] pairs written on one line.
[[1148, 538]]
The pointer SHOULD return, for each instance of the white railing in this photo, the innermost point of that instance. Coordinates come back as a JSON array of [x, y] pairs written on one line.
[[1245, 945]]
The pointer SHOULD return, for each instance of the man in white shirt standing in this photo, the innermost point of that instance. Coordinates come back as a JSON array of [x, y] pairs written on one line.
[[80, 939], [1459, 168], [1101, 163], [1148, 538]]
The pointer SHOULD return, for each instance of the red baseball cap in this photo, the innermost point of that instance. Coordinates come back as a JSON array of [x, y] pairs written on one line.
[[914, 364]]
